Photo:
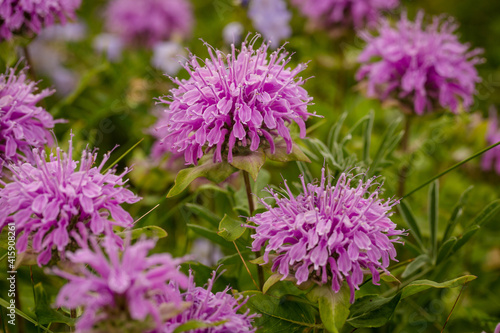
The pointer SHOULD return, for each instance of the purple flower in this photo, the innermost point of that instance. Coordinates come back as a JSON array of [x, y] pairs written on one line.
[[344, 13], [31, 15], [491, 158], [47, 200], [148, 22], [234, 101], [23, 125], [328, 233], [497, 329], [425, 67], [120, 288], [271, 18], [210, 308]]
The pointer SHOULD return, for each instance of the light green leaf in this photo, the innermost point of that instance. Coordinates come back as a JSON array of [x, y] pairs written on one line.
[[421, 285], [251, 163], [415, 265], [194, 324], [410, 220], [445, 249], [465, 237], [20, 313], [487, 213], [271, 281], [457, 212], [151, 231], [204, 213], [281, 154], [231, 229], [333, 307]]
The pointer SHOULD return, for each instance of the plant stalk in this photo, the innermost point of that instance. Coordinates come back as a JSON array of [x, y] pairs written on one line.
[[403, 172]]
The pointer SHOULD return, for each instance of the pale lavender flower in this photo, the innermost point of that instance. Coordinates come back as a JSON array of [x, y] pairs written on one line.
[[330, 233], [120, 288], [271, 18], [233, 33], [23, 124], [29, 16], [109, 44], [234, 101], [167, 57], [491, 159], [497, 329], [148, 22], [210, 308], [423, 66], [344, 13], [45, 201]]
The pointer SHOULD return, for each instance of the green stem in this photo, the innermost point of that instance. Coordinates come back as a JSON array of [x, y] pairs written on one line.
[[34, 296], [403, 172], [451, 169]]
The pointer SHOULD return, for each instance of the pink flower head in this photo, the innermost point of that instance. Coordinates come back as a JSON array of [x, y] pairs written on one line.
[[345, 13], [425, 67], [235, 101], [491, 158], [31, 15], [210, 308], [119, 287], [23, 125], [147, 22], [328, 233], [47, 200]]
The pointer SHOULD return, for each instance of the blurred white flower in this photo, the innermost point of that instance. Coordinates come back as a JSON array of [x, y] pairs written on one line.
[[109, 44], [232, 33], [167, 57], [206, 252]]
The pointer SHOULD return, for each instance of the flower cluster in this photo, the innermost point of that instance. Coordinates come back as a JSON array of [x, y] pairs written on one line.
[[23, 124], [345, 13], [210, 308], [148, 22], [31, 15], [271, 18], [425, 67], [491, 158], [48, 199], [328, 233], [120, 289], [235, 100]]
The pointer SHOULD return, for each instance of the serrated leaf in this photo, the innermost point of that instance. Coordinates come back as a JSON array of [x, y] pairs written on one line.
[[251, 162], [150, 231], [373, 310], [410, 220], [216, 172], [415, 265], [44, 312], [195, 324], [204, 213], [421, 285], [281, 154], [230, 229]]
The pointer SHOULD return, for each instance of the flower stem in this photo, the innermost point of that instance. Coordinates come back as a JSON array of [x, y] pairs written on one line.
[[403, 172], [31, 69], [251, 209]]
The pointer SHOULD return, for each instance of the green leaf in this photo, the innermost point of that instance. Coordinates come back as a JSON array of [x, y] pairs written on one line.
[[216, 172], [457, 212], [465, 237], [115, 162], [415, 265], [281, 315], [44, 312], [487, 213], [445, 249], [151, 231], [333, 307], [367, 137], [250, 163], [231, 229], [202, 273], [194, 324], [204, 213], [373, 310], [211, 235], [410, 220], [281, 154], [421, 285], [21, 314], [433, 217], [272, 280]]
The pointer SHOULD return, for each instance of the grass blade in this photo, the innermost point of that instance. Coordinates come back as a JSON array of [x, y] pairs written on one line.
[[433, 217]]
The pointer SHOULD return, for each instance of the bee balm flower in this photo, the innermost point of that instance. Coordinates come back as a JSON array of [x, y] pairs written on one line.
[[234, 101], [330, 232], [492, 157]]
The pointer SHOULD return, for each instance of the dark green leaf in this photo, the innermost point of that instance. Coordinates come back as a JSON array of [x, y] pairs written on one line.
[[465, 237], [231, 229], [457, 212], [373, 310], [433, 217], [21, 314], [487, 213], [445, 249], [211, 235], [251, 162], [281, 154], [44, 312], [367, 135], [204, 213], [415, 265], [410, 220]]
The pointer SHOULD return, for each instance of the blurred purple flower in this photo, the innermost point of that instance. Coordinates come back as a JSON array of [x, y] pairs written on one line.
[[425, 67], [23, 125], [167, 57], [328, 233], [235, 100], [109, 44], [210, 308], [497, 329], [46, 201], [148, 22], [271, 18], [491, 159], [120, 288], [232, 33], [31, 15], [345, 13]]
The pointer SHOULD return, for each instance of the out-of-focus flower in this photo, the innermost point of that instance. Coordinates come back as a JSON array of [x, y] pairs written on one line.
[[491, 159], [148, 22], [120, 289], [330, 232], [232, 33], [70, 32], [29, 16], [344, 13], [110, 44], [167, 57], [47, 200], [23, 124], [497, 329], [210, 308], [234, 102], [206, 252], [423, 67], [271, 18]]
